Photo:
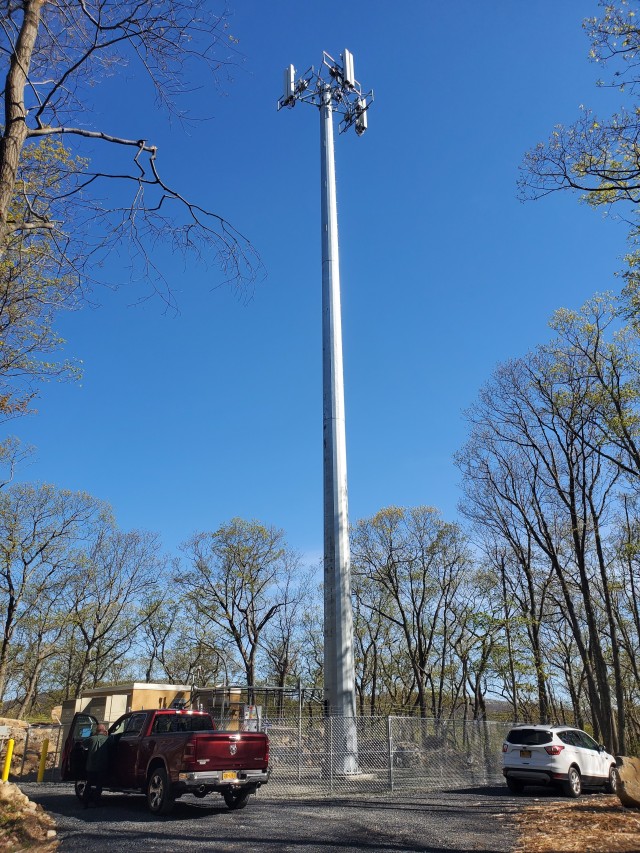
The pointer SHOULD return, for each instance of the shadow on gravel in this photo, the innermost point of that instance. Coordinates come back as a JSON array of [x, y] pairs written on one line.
[[256, 843], [484, 790], [434, 822], [504, 793], [122, 808]]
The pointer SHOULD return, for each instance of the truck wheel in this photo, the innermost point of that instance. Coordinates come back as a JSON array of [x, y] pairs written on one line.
[[79, 788], [159, 797], [236, 799]]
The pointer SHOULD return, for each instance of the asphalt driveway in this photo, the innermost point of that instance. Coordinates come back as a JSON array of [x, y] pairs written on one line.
[[479, 819]]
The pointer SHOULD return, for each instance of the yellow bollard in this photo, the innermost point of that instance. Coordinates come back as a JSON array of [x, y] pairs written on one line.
[[7, 760], [43, 759]]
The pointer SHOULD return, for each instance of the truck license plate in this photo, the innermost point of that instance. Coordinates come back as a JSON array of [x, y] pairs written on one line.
[[525, 753], [229, 774]]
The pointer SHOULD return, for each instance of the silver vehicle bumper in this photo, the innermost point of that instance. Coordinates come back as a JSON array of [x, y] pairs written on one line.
[[223, 777]]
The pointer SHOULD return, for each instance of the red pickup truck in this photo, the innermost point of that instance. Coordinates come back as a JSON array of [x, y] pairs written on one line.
[[167, 753]]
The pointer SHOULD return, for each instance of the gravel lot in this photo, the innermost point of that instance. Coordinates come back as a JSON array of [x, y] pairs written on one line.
[[480, 819]]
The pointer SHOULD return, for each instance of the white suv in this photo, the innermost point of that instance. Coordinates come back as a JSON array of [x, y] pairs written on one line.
[[556, 755]]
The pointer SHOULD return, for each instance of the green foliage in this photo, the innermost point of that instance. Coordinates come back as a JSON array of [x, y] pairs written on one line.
[[240, 583], [600, 157]]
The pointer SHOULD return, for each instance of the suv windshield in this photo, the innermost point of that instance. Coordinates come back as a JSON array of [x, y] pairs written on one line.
[[529, 737]]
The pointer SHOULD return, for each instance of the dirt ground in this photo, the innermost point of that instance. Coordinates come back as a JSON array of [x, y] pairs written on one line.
[[23, 824], [597, 824]]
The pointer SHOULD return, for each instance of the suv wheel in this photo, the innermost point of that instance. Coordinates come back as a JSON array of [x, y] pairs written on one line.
[[573, 786], [515, 785], [612, 782]]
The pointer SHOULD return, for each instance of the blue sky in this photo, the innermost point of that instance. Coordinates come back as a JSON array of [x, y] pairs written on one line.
[[183, 421]]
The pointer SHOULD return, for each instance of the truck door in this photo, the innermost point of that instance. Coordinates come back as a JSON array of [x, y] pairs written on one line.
[[72, 764], [127, 750]]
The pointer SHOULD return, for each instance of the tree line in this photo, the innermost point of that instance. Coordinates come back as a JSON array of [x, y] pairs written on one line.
[[531, 599]]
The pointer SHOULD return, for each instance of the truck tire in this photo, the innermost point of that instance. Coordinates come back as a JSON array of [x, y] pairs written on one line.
[[159, 797], [237, 799]]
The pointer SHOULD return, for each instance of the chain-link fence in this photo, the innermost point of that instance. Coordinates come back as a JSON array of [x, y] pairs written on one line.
[[336, 756], [30, 741]]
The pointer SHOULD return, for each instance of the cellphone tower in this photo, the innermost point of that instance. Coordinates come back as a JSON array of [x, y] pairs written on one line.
[[334, 88]]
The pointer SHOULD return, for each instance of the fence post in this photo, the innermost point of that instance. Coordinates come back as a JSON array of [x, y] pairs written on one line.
[[300, 705], [390, 752], [55, 754], [24, 751], [331, 756]]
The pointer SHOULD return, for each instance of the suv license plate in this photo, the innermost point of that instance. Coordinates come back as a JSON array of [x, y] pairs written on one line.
[[525, 753], [229, 774]]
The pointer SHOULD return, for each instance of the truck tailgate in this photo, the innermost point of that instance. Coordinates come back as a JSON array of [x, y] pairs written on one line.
[[232, 750]]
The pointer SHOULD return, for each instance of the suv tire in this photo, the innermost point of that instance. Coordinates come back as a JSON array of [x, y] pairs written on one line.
[[612, 782], [573, 786], [515, 785]]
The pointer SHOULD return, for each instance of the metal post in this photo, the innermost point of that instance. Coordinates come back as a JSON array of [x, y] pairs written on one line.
[[300, 706], [335, 84], [390, 752], [44, 752], [338, 663], [55, 757], [330, 721], [7, 759], [24, 753]]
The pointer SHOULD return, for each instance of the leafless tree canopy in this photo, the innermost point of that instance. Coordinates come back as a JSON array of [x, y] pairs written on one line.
[[71, 211]]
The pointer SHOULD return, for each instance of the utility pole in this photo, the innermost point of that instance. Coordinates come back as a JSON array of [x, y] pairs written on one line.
[[333, 88]]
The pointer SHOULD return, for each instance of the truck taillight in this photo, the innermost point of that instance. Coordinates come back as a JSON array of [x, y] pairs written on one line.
[[189, 753], [556, 749], [266, 753]]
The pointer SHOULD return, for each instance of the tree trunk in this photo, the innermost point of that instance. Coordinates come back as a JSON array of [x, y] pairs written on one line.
[[4, 645], [30, 695], [15, 125]]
